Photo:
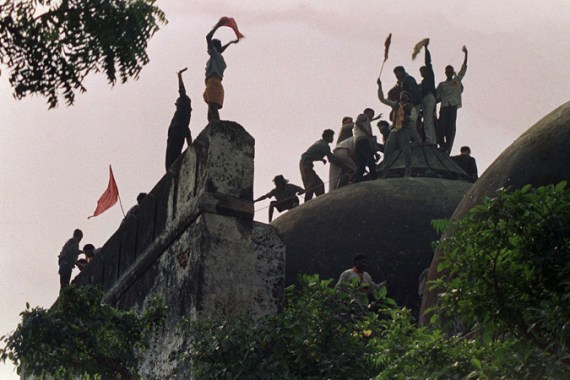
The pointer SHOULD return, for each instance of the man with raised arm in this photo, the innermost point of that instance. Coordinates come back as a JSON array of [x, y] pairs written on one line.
[[215, 67], [449, 94], [178, 131], [427, 88], [403, 129]]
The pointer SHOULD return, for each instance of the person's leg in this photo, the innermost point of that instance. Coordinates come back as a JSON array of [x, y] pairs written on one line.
[[173, 149], [428, 107], [64, 275], [213, 112], [361, 159], [442, 126], [390, 147], [450, 130], [370, 163], [404, 142], [319, 185], [271, 207]]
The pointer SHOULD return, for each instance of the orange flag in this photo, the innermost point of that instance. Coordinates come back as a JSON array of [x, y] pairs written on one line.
[[230, 22], [109, 197]]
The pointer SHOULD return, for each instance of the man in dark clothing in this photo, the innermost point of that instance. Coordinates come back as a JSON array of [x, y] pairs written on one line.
[[408, 84], [311, 181], [67, 258], [427, 88], [285, 195], [467, 163], [178, 129]]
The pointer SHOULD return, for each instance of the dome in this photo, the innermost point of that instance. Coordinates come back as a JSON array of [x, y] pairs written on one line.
[[541, 156], [387, 219]]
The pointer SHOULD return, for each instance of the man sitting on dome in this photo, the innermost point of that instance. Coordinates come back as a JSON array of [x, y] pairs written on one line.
[[285, 195]]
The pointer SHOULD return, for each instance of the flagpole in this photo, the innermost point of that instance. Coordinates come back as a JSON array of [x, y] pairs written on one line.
[[381, 68], [121, 204]]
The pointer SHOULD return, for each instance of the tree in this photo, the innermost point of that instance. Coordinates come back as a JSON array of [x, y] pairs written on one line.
[[48, 52], [508, 289], [325, 334], [81, 336], [509, 267]]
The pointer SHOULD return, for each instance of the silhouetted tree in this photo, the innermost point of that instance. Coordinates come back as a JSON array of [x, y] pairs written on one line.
[[49, 47]]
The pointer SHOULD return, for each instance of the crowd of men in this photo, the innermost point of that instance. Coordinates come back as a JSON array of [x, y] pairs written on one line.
[[412, 121]]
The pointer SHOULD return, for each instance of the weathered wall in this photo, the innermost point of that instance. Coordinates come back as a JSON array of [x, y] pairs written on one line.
[[193, 242]]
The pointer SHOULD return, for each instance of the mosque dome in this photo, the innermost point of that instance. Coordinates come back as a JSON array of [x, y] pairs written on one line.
[[541, 156], [388, 219]]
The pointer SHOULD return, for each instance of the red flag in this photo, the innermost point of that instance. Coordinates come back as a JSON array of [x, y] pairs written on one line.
[[387, 46], [109, 197], [230, 22]]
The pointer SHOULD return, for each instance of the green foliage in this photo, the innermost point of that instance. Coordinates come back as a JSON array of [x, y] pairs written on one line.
[[322, 333], [509, 266], [80, 335], [54, 51]]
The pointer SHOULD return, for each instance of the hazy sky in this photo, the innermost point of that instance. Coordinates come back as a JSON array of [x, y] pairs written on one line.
[[302, 66]]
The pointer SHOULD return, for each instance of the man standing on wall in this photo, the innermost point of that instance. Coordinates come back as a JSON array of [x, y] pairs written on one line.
[[449, 94], [215, 67], [178, 131]]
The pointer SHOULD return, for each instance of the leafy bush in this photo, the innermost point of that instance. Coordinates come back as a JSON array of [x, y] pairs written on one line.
[[509, 267], [79, 335]]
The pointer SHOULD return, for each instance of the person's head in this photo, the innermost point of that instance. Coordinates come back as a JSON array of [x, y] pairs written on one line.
[[280, 181], [347, 120], [369, 112], [400, 72], [140, 197], [423, 71], [217, 44], [465, 150], [89, 250], [384, 128], [78, 234], [405, 97], [360, 262], [328, 135], [449, 71]]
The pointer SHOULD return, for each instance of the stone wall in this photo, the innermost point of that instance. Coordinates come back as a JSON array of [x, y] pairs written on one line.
[[194, 243]]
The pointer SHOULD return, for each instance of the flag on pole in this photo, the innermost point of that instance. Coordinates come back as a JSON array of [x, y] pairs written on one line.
[[109, 197], [419, 47], [387, 46], [231, 22]]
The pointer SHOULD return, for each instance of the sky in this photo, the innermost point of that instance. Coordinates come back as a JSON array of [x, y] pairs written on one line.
[[301, 67]]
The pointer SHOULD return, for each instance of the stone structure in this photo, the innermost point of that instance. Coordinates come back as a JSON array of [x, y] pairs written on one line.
[[194, 243], [387, 219], [541, 156], [427, 161]]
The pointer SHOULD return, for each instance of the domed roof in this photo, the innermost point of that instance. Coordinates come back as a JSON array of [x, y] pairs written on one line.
[[386, 219], [541, 156]]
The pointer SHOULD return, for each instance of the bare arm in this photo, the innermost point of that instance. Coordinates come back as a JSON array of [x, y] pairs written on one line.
[[461, 72], [381, 97], [211, 33], [261, 198], [181, 88], [228, 44]]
